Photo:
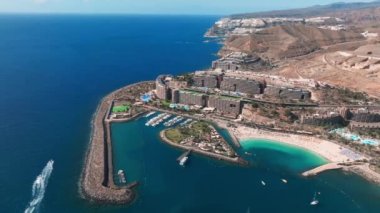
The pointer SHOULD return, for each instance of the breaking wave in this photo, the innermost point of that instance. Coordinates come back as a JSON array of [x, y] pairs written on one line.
[[39, 187]]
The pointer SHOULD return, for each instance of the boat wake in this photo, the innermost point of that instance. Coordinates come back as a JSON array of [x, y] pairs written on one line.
[[39, 187]]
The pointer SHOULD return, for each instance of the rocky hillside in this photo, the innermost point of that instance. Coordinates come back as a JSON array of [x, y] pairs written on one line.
[[287, 41], [318, 10]]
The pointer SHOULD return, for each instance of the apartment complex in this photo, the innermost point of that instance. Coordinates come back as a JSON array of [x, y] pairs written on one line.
[[237, 61], [287, 93], [241, 85]]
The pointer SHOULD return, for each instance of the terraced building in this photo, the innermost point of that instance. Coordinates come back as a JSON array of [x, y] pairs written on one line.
[[241, 85]]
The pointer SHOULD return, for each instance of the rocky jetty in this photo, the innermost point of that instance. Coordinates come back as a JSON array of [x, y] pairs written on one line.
[[96, 182]]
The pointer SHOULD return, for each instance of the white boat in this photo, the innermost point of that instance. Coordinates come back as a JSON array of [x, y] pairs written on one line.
[[186, 122], [284, 180], [183, 161], [315, 201], [149, 114], [122, 178], [155, 119], [263, 183]]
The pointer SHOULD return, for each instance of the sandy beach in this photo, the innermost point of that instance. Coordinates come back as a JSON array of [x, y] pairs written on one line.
[[327, 149]]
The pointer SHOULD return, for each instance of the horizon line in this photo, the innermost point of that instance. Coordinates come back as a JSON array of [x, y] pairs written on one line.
[[108, 13]]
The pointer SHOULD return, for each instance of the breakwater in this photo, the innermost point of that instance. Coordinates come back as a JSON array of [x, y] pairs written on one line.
[[96, 182], [323, 168]]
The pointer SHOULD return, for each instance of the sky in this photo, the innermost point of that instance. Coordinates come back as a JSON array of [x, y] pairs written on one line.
[[188, 7]]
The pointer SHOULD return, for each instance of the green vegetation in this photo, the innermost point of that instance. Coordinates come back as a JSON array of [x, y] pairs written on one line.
[[174, 135], [196, 130], [122, 108], [188, 77], [165, 103]]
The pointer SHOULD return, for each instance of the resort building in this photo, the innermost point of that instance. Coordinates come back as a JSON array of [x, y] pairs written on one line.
[[224, 105], [209, 81], [162, 88], [331, 119], [175, 96], [241, 85], [238, 61], [365, 120], [192, 98], [287, 93]]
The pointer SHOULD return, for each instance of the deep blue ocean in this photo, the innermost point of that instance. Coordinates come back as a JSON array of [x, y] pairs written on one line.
[[54, 69]]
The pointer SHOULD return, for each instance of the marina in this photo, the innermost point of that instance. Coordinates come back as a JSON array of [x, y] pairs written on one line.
[[158, 119], [173, 121]]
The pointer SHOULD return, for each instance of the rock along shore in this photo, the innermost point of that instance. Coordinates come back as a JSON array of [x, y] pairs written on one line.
[[96, 183]]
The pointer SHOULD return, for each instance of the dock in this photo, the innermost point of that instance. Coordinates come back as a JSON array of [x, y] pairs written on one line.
[[132, 185], [185, 154], [323, 168]]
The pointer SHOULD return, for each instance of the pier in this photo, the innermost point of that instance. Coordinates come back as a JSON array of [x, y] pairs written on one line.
[[185, 154], [323, 168]]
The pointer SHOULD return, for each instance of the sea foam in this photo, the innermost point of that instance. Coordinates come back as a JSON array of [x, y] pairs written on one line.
[[39, 187]]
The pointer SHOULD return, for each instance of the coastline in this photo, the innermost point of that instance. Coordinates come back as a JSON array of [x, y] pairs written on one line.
[[332, 152], [96, 181]]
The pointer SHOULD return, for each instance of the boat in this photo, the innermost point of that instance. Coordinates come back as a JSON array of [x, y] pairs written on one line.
[[149, 114], [186, 122], [183, 161], [284, 180], [121, 175], [248, 153], [156, 120], [315, 201], [184, 158], [263, 183]]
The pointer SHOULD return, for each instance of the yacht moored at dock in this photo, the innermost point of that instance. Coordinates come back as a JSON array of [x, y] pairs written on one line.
[[121, 175], [184, 158], [150, 114], [186, 122]]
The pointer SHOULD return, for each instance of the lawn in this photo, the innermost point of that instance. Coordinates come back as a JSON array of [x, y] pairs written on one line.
[[122, 108], [180, 133], [174, 135]]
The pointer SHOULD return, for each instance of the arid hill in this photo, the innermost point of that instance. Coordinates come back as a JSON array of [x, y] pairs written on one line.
[[287, 41], [318, 10]]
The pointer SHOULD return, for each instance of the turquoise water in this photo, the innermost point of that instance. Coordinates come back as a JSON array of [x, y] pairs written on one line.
[[275, 154], [209, 186]]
